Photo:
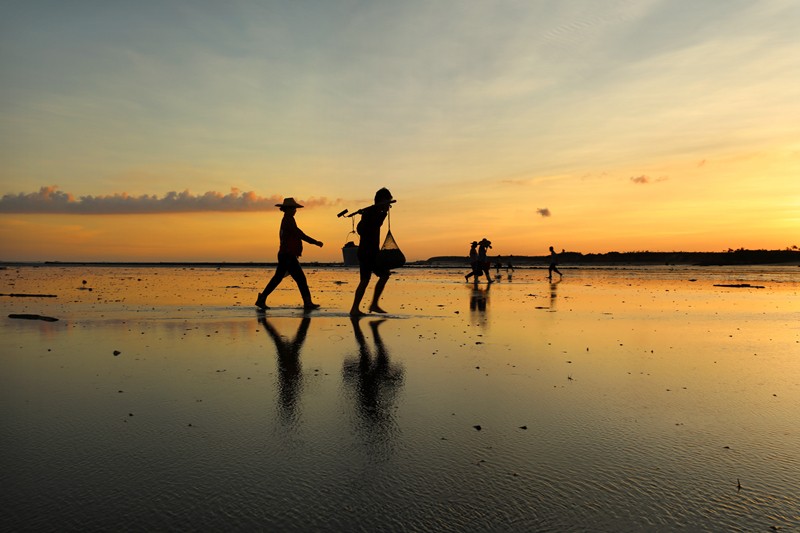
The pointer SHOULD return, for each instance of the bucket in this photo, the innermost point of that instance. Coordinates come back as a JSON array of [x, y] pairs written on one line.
[[350, 254]]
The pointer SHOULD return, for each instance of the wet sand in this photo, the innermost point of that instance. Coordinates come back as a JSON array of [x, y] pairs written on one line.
[[615, 400]]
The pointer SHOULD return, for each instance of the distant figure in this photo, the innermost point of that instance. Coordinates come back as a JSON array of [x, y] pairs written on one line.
[[473, 262], [484, 262], [291, 248], [369, 228], [553, 267]]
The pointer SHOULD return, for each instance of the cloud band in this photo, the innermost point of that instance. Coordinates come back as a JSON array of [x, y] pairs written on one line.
[[49, 200]]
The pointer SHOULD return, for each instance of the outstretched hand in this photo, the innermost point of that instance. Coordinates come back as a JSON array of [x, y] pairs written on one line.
[[319, 243]]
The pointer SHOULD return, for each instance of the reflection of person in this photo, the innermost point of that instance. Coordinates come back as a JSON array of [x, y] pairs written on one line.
[[369, 228], [553, 294], [473, 261], [289, 369], [375, 381], [484, 262], [479, 299], [553, 263], [290, 250]]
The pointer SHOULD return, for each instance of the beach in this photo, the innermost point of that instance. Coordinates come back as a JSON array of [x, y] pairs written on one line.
[[615, 399]]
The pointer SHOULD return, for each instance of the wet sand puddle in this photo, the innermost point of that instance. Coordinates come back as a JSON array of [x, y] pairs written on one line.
[[615, 400]]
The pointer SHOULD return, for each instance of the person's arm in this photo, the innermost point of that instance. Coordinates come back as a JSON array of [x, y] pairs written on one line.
[[309, 240]]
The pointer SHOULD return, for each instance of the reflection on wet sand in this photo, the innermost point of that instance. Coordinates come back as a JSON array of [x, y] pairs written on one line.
[[290, 371], [478, 303], [374, 381], [479, 298], [680, 388], [553, 294]]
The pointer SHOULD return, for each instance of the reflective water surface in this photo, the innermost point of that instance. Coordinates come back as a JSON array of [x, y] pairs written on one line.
[[622, 399]]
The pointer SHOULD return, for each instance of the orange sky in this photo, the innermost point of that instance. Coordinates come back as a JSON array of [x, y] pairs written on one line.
[[633, 127]]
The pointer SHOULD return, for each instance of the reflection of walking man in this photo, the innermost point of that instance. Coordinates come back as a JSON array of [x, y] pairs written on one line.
[[553, 263], [369, 229], [479, 298], [375, 381], [290, 250], [289, 368]]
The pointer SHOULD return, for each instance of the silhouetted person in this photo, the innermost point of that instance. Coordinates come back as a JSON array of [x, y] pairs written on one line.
[[553, 263], [289, 368], [484, 262], [291, 248], [369, 228], [473, 262]]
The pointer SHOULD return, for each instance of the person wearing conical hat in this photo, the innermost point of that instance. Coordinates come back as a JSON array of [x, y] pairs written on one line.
[[291, 248], [483, 260]]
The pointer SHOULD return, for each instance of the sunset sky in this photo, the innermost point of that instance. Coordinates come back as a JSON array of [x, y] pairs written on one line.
[[167, 131]]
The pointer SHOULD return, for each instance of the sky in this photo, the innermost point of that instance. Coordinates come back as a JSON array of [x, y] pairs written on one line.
[[168, 131]]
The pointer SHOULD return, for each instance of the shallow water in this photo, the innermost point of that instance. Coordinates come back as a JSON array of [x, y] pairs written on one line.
[[622, 399]]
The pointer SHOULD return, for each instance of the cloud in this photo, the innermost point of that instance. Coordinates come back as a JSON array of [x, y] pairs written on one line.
[[545, 212], [49, 200], [644, 180]]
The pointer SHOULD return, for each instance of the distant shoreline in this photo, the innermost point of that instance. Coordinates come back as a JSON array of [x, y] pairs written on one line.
[[733, 257], [730, 258]]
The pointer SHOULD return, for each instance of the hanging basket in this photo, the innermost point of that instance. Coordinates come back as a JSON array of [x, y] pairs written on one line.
[[390, 256], [350, 254]]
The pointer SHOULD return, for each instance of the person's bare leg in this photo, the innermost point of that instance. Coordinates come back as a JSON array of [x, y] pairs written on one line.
[[360, 290], [374, 307]]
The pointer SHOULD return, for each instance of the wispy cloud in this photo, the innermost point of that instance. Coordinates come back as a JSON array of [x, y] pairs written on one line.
[[49, 200], [545, 212], [644, 180]]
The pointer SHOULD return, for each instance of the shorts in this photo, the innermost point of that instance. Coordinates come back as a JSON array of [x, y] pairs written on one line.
[[368, 265]]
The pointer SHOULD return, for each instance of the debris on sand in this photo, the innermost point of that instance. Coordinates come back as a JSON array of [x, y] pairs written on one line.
[[33, 317], [739, 286], [19, 295]]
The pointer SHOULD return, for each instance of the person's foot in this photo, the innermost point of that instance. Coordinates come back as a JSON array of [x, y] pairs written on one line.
[[357, 313], [466, 277], [310, 306], [375, 309], [261, 301]]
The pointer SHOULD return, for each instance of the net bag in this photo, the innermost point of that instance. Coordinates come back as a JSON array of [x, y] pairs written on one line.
[[390, 256]]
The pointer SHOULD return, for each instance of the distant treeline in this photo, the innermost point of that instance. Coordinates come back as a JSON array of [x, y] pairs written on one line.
[[731, 257]]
